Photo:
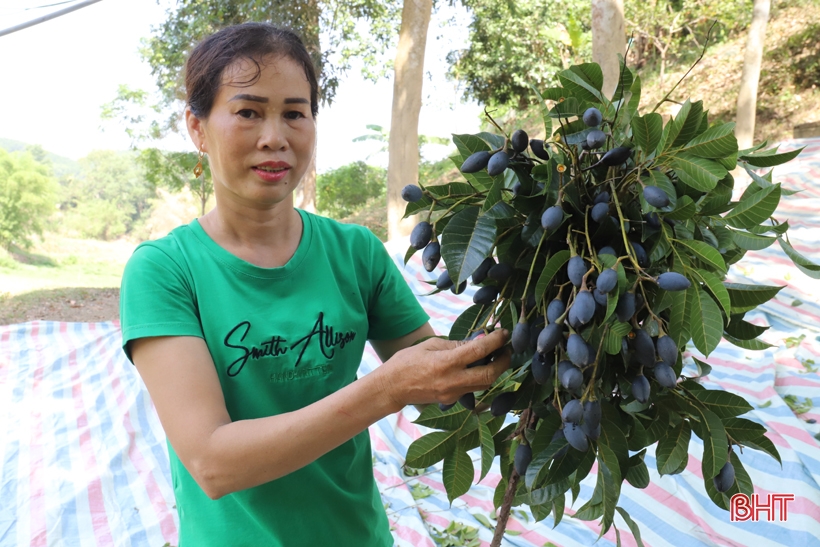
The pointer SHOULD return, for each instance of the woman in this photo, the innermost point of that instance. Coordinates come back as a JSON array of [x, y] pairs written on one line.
[[248, 324]]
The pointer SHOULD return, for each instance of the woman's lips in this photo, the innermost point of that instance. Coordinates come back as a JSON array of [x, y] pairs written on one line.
[[271, 176]]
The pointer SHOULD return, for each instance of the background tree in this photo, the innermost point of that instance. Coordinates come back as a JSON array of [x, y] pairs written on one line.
[[753, 56], [344, 191], [174, 171], [28, 195], [361, 29], [403, 163], [608, 39]]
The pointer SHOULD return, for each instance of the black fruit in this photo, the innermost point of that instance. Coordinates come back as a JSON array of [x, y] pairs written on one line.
[[549, 337], [626, 306], [431, 256], [576, 268], [603, 197], [666, 349], [480, 273], [644, 348], [572, 412], [593, 432], [555, 309], [520, 338], [552, 218], [535, 332], [541, 370], [421, 234], [485, 295], [640, 388], [572, 378], [653, 220], [556, 436], [577, 350], [607, 251], [640, 254], [519, 140], [564, 366], [576, 437], [673, 281], [537, 147], [498, 163], [500, 272], [476, 162], [665, 375], [607, 281], [600, 212], [444, 282], [600, 297], [468, 401], [502, 404], [616, 156], [516, 189], [725, 478], [596, 139], [443, 407], [582, 309], [460, 289], [523, 457], [592, 413], [655, 196], [593, 117], [411, 193]]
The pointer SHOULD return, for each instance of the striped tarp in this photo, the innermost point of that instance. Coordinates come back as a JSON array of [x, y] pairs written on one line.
[[84, 461]]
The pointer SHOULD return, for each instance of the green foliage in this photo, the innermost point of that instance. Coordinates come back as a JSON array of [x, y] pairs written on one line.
[[175, 171], [108, 197], [675, 265], [344, 191], [28, 196], [513, 45]]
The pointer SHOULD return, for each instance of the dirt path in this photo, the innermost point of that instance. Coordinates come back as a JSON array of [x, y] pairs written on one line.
[[86, 305]]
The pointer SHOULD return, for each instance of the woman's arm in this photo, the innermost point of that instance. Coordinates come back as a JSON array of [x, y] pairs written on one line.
[[225, 456]]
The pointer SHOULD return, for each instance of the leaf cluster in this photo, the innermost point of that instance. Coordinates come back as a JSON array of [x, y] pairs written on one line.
[[696, 234]]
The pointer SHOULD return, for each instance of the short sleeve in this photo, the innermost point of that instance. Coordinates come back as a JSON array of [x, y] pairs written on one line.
[[394, 310], [156, 298]]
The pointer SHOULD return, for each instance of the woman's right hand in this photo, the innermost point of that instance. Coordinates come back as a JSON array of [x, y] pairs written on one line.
[[435, 371]]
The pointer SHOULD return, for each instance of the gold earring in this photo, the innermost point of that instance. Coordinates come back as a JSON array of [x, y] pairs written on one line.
[[198, 168]]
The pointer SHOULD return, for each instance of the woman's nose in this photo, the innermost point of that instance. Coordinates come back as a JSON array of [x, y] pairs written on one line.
[[273, 136]]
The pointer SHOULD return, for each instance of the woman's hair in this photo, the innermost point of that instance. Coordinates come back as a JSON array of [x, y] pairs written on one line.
[[252, 41]]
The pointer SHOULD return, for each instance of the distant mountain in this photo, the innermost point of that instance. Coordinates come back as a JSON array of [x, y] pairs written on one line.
[[61, 165]]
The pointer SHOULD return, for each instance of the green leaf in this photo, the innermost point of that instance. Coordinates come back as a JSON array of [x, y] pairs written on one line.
[[612, 341], [710, 430], [673, 448], [457, 474], [659, 179], [551, 268], [468, 145], [687, 122], [768, 158], [705, 321], [633, 527], [541, 461], [495, 195], [742, 430], [679, 320], [638, 474], [579, 87], [764, 444], [451, 189], [754, 344], [685, 209], [705, 253], [754, 209], [487, 449], [647, 131], [431, 448], [715, 285], [803, 264], [717, 142], [591, 73], [744, 330], [568, 108], [723, 403], [461, 327], [747, 297], [751, 242], [433, 417], [703, 368], [699, 173], [466, 242], [609, 477]]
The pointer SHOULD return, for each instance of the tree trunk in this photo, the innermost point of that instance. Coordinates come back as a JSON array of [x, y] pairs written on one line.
[[608, 39], [305, 195], [403, 161], [747, 98]]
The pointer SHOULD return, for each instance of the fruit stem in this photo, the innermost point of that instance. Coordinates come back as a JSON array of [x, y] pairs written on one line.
[[627, 246], [532, 267], [591, 384]]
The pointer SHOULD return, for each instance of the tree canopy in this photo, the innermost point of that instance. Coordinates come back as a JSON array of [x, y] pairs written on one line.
[[28, 195]]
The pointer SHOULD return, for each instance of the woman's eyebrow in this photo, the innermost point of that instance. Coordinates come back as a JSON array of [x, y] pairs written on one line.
[[258, 99]]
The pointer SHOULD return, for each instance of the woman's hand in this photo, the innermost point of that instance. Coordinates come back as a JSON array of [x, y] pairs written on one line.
[[435, 371]]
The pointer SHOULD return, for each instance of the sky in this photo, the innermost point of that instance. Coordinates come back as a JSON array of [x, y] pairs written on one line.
[[56, 76]]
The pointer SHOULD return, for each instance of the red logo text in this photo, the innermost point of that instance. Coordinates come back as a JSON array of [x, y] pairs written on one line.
[[743, 508]]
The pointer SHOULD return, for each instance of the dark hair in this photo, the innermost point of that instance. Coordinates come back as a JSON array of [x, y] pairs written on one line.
[[252, 41]]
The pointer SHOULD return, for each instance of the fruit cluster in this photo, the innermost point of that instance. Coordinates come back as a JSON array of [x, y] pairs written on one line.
[[603, 248]]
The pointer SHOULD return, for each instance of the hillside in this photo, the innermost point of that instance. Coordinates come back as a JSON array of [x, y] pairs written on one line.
[[62, 166]]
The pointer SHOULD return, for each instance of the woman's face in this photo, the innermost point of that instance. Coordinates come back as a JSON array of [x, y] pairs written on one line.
[[259, 138]]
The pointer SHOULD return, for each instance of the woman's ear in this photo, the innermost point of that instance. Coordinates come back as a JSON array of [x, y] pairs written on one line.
[[196, 129]]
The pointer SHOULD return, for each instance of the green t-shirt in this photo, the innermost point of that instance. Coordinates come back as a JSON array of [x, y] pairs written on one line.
[[281, 339]]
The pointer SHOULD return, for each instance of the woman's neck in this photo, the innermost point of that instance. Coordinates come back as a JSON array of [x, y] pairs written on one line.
[[267, 238]]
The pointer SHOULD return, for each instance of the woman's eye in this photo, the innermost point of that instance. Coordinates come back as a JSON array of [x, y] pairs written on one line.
[[246, 113], [294, 115]]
